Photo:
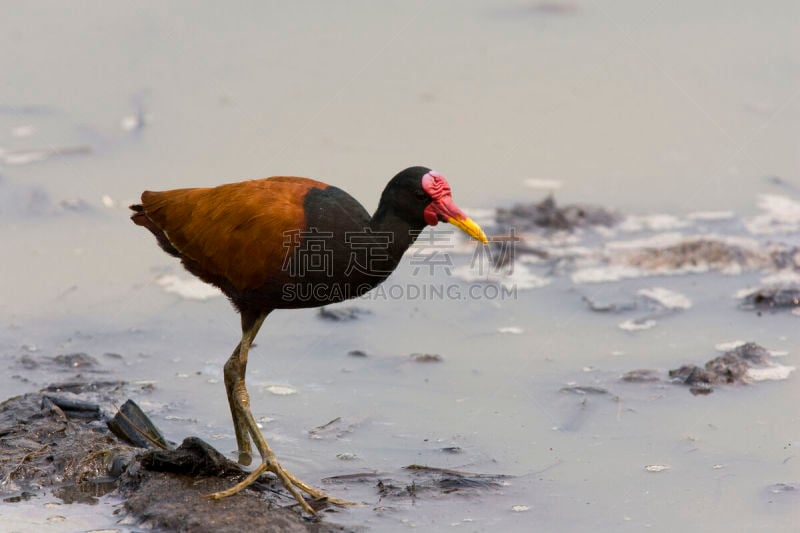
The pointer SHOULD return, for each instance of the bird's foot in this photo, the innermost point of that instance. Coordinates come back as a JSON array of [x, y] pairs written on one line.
[[289, 481]]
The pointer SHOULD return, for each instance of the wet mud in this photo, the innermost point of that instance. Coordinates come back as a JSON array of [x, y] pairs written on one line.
[[741, 365], [548, 215], [59, 441], [772, 299], [746, 364], [62, 444], [592, 244]]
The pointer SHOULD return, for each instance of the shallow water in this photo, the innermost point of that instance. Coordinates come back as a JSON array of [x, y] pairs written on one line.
[[666, 109]]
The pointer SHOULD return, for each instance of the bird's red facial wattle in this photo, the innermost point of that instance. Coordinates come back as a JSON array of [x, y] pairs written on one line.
[[445, 209]]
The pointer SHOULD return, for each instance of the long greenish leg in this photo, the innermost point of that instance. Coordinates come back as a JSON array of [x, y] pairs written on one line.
[[245, 423], [234, 373]]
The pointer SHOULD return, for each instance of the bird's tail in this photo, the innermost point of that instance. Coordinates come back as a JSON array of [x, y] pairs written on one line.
[[140, 218], [138, 214]]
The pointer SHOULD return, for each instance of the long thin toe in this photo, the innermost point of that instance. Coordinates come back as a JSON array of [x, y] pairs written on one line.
[[289, 481], [254, 475], [336, 501], [315, 493], [243, 484]]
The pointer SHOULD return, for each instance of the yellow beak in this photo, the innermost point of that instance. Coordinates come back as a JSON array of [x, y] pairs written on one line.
[[469, 227]]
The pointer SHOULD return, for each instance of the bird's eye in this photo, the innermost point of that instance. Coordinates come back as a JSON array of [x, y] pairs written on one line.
[[421, 195]]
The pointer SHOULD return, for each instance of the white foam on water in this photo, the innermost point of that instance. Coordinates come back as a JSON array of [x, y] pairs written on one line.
[[280, 390], [781, 215], [188, 288], [652, 222], [711, 216], [727, 346], [602, 274], [770, 373], [782, 277], [666, 298], [659, 240]]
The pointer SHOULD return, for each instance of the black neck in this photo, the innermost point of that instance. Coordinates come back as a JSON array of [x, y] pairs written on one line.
[[402, 234]]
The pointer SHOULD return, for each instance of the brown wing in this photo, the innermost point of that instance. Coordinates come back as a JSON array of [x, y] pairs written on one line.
[[235, 232]]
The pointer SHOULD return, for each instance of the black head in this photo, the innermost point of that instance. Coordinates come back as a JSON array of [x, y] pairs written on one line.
[[405, 198], [420, 196]]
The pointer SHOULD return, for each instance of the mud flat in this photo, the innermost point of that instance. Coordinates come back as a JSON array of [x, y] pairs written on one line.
[[58, 441]]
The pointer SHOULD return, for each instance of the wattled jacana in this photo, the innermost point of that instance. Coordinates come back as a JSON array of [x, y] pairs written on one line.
[[287, 242]]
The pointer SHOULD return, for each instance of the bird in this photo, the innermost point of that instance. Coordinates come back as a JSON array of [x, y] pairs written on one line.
[[288, 242]]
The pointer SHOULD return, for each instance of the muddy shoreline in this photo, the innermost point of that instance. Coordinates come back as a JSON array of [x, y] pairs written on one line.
[[57, 441]]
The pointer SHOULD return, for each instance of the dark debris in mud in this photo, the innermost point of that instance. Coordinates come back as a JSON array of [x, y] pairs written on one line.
[[583, 390], [426, 358], [72, 408], [736, 366], [171, 502], [337, 428], [451, 450], [82, 387], [423, 481], [782, 488], [47, 443], [643, 375], [131, 425], [168, 489], [772, 299], [673, 254], [342, 314], [75, 360], [446, 481], [609, 307], [701, 253], [547, 215], [729, 368], [59, 443], [45, 446], [194, 457]]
